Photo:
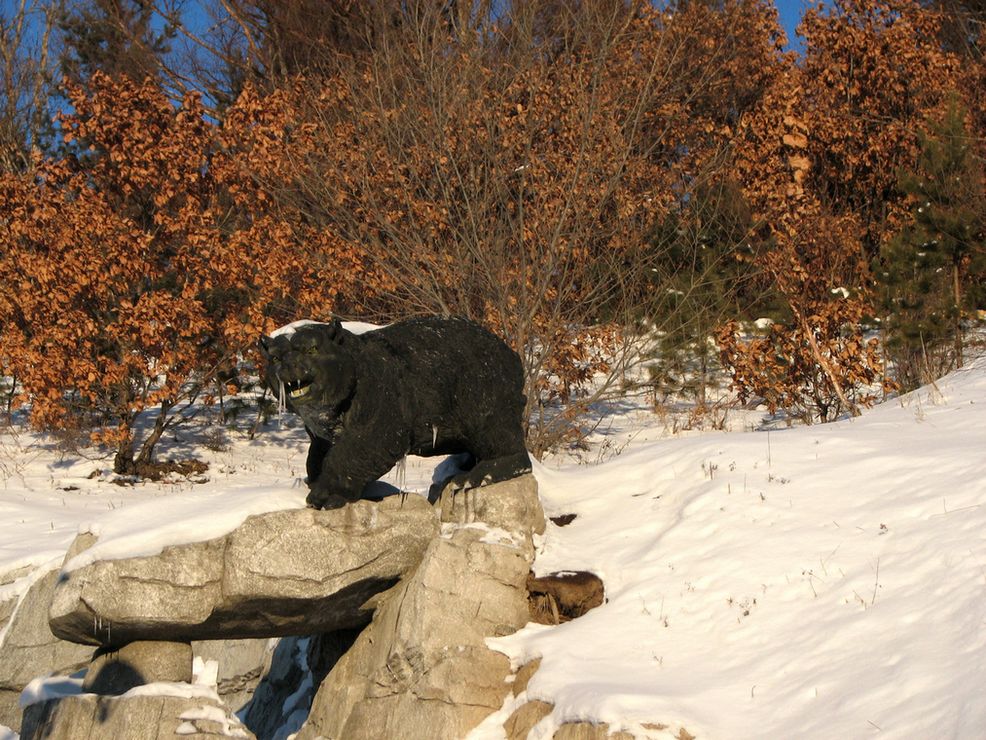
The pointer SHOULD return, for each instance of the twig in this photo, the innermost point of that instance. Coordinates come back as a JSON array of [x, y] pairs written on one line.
[[876, 585]]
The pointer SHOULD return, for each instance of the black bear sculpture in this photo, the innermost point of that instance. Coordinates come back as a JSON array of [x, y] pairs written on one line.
[[425, 386]]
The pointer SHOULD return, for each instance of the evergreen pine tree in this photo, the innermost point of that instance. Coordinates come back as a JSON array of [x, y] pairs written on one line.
[[117, 37], [931, 272], [712, 239]]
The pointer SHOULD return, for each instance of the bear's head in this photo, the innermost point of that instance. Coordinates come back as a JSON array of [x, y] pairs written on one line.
[[310, 367]]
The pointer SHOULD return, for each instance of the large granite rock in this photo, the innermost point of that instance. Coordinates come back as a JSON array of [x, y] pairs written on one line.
[[27, 646], [437, 580], [289, 572], [421, 669]]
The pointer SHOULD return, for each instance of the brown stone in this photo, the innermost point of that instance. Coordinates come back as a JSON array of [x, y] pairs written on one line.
[[562, 597], [524, 676], [588, 731], [522, 721]]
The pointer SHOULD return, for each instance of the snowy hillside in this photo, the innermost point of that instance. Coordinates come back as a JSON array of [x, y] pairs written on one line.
[[818, 582], [822, 582]]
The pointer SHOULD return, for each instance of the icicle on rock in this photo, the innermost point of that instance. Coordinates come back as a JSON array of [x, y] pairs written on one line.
[[282, 398], [401, 470]]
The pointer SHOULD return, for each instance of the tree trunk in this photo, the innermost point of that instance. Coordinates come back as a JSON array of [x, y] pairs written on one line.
[[826, 366], [123, 461], [957, 295], [11, 395], [147, 449], [703, 376]]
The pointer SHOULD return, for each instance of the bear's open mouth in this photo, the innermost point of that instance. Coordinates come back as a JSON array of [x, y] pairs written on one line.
[[298, 388]]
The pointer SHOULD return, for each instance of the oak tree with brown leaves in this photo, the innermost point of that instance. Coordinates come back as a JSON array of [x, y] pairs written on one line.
[[132, 275]]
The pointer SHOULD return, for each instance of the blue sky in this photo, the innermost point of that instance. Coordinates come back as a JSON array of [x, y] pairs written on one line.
[[790, 13]]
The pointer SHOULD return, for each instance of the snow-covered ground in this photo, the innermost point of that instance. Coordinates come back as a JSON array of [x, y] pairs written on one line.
[[812, 582]]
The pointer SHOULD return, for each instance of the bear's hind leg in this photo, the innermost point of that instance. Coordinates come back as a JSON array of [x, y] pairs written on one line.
[[493, 470]]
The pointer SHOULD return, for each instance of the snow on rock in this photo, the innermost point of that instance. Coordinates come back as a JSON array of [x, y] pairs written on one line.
[[356, 327], [147, 527], [50, 687], [226, 725], [205, 672], [58, 687], [818, 582], [361, 327]]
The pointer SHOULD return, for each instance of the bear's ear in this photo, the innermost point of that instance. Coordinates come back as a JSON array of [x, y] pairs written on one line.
[[332, 331], [264, 345]]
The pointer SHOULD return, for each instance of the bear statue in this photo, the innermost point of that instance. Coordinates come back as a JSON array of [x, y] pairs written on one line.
[[424, 386]]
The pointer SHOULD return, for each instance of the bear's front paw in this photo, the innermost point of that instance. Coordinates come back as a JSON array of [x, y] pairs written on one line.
[[325, 500]]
